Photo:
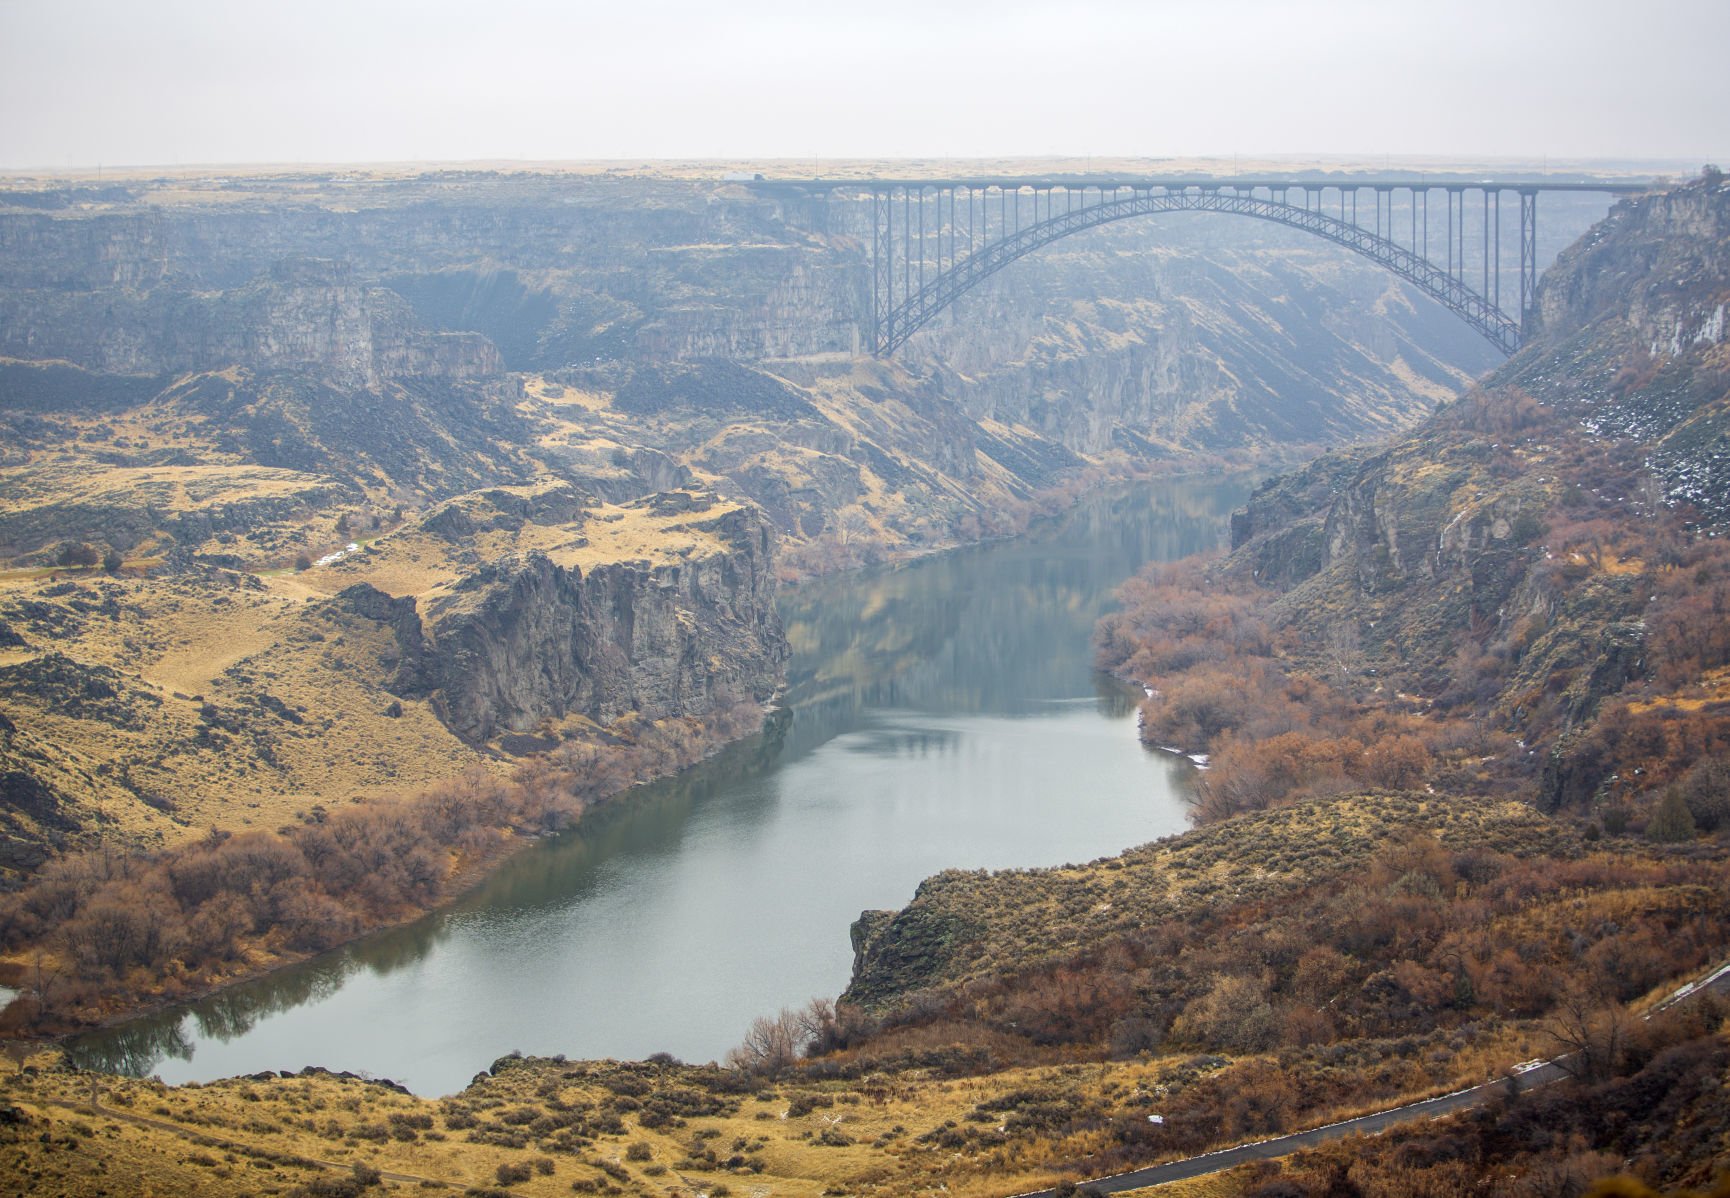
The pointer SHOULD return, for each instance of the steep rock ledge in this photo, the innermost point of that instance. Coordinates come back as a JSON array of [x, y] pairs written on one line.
[[524, 640], [303, 314]]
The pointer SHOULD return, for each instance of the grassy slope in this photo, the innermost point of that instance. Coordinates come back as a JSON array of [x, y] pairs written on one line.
[[701, 1129], [962, 926], [194, 737]]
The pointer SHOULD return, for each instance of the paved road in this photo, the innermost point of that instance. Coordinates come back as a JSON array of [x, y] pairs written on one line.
[[1431, 1108]]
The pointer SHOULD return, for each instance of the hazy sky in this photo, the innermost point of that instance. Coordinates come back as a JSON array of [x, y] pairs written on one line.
[[88, 82]]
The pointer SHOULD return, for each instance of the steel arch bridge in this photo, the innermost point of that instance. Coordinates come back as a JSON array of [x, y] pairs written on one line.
[[933, 240]]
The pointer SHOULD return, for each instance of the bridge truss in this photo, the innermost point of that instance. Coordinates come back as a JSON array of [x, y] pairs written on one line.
[[930, 241]]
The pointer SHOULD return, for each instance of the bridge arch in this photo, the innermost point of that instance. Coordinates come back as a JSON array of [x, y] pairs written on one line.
[[1446, 284], [899, 309]]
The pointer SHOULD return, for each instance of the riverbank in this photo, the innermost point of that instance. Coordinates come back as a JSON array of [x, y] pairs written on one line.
[[474, 826]]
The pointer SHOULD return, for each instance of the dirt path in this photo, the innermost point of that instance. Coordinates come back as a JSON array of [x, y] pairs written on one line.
[[1526, 1078]]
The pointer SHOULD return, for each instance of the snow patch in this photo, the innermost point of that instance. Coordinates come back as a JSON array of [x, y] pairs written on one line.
[[330, 559]]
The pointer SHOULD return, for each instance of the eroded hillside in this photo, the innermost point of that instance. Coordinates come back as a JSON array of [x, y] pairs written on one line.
[[313, 579]]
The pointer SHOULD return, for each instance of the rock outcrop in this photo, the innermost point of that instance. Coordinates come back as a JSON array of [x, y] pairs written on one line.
[[1633, 324], [1654, 267], [523, 640], [303, 314], [1474, 535]]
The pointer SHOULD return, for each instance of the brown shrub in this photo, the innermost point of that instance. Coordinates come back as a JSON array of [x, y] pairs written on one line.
[[323, 882], [1233, 1014]]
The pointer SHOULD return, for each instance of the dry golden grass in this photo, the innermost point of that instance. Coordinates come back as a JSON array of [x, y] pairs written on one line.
[[884, 1134], [540, 391], [413, 561], [637, 533], [252, 698], [205, 643], [181, 644], [793, 1140], [1712, 688], [75, 480]]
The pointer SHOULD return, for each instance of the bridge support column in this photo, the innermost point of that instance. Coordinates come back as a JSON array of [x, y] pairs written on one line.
[[1528, 257], [878, 266]]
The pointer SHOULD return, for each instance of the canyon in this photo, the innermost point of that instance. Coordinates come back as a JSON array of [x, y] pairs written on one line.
[[511, 488], [574, 426]]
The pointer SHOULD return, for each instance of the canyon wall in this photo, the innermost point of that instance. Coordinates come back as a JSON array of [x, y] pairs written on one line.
[[231, 377], [523, 641], [300, 314]]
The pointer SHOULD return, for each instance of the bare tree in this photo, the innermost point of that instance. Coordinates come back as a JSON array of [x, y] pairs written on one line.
[[773, 1043], [770, 1045], [1344, 651], [853, 526], [1592, 1030]]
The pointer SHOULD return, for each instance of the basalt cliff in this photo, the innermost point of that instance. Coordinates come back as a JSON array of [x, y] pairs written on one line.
[[524, 640]]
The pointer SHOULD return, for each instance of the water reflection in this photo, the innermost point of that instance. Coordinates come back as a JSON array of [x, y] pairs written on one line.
[[943, 713], [645, 821], [987, 629], [912, 741], [137, 1048]]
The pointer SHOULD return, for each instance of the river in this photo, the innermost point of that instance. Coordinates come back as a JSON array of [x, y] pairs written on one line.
[[941, 714]]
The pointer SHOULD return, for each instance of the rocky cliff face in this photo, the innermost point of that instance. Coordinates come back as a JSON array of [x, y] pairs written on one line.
[[557, 270], [304, 314], [1653, 267], [1479, 538], [1634, 338], [1286, 519], [524, 641]]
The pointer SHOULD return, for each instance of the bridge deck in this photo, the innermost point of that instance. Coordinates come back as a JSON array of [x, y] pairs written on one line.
[[1178, 182]]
